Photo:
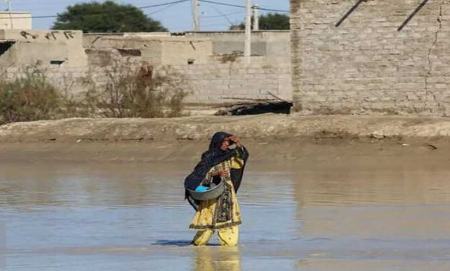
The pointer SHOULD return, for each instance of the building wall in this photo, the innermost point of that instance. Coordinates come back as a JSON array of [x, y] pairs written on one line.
[[365, 65], [264, 43], [43, 47], [15, 20], [158, 50], [182, 52], [224, 79], [210, 79], [228, 81]]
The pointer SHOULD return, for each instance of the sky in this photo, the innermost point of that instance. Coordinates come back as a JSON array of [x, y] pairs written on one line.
[[176, 17]]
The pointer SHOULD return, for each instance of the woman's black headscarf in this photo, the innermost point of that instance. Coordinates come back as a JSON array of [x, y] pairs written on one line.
[[212, 157]]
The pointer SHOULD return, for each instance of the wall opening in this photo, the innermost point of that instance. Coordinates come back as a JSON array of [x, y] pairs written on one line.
[[130, 52], [56, 62]]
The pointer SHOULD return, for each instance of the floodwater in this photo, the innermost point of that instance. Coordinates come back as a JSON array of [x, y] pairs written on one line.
[[370, 212]]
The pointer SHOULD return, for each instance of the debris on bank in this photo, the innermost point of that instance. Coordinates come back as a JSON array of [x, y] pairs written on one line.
[[240, 109], [246, 106]]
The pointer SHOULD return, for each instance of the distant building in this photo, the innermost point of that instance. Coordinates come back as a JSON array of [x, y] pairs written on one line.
[[24, 48], [15, 20]]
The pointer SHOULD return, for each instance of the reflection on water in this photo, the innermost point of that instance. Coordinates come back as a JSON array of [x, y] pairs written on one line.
[[361, 215], [222, 258]]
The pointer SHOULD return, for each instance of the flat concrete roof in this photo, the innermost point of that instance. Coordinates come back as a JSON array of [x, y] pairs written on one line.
[[15, 12], [233, 31]]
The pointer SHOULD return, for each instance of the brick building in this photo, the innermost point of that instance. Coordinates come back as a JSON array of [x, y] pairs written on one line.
[[366, 65]]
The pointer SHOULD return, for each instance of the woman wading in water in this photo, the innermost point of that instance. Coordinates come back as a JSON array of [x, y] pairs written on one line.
[[223, 162]]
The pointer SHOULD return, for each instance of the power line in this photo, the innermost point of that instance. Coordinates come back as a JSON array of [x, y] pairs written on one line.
[[163, 4], [241, 6], [274, 10], [223, 15], [226, 14], [165, 7], [222, 4], [213, 25], [167, 4]]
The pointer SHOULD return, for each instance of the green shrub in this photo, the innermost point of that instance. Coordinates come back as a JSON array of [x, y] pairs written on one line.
[[28, 98]]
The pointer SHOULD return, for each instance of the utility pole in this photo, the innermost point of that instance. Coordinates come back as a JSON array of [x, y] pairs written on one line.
[[248, 32], [9, 4], [255, 18], [195, 15], [10, 15]]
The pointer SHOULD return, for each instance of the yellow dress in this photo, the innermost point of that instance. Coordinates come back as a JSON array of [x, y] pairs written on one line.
[[222, 214]]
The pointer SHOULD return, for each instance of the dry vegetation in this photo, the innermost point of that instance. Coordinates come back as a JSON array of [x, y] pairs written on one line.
[[143, 94], [29, 98], [126, 93]]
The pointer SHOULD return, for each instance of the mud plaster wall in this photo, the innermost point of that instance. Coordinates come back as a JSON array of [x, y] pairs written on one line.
[[214, 82], [210, 78], [213, 76], [39, 46], [367, 66], [273, 43]]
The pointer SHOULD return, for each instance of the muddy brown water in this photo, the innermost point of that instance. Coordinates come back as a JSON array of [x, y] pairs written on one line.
[[333, 207]]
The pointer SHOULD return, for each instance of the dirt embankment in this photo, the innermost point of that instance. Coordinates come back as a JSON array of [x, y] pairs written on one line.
[[201, 128], [271, 138]]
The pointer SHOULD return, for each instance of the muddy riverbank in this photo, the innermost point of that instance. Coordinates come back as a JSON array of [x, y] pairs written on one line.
[[279, 154], [271, 138], [249, 127]]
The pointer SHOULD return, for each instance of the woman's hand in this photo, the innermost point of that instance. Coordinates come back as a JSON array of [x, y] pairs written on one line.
[[223, 173], [236, 140]]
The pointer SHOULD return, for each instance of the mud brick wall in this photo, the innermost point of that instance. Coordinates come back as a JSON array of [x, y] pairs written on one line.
[[365, 65], [223, 82], [210, 77], [211, 83]]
